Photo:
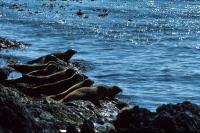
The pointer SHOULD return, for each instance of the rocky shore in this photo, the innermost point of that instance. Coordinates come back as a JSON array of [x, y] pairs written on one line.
[[6, 43], [21, 112]]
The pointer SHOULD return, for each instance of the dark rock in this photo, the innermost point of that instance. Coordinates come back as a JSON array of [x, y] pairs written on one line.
[[87, 127], [20, 113], [121, 104], [72, 129], [79, 13], [186, 115], [5, 43], [4, 73], [112, 130], [165, 122], [182, 117], [134, 120]]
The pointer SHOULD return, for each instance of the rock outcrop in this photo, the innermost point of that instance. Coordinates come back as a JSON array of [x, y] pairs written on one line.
[[181, 117], [6, 43], [20, 113]]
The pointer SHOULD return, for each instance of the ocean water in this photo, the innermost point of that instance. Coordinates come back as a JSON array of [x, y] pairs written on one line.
[[150, 48]]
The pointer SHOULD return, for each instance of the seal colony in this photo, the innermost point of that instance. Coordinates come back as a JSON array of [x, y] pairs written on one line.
[[54, 76], [64, 82]]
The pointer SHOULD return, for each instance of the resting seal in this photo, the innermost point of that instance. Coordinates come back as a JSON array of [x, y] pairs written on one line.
[[56, 87], [65, 74], [85, 83], [38, 80], [93, 94], [64, 56], [27, 68], [50, 69]]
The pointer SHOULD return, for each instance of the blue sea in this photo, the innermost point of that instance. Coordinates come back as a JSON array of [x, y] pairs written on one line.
[[150, 48]]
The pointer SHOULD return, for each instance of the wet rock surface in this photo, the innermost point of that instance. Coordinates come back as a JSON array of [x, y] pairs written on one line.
[[20, 113], [181, 117], [4, 72], [6, 43]]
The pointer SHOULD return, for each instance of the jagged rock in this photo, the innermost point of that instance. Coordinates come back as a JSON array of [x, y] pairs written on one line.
[[181, 117], [87, 127], [4, 73], [20, 113], [5, 43]]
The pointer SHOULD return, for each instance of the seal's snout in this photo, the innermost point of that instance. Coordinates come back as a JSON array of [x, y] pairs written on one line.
[[89, 81], [68, 54], [117, 89]]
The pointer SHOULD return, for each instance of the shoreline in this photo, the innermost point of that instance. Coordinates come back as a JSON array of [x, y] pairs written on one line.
[[22, 113]]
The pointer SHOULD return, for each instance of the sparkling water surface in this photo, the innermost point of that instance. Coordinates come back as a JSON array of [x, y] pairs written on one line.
[[150, 48]]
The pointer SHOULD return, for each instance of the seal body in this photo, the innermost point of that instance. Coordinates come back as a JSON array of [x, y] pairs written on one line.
[[27, 68], [49, 78], [50, 69], [56, 87], [65, 56], [93, 94], [85, 83]]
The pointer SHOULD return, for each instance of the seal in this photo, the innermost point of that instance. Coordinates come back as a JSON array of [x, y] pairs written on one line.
[[38, 80], [85, 83], [50, 69], [112, 92], [56, 87], [27, 68], [64, 56], [93, 94]]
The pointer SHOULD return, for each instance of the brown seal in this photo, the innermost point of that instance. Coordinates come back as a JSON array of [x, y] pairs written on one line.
[[93, 94], [27, 68], [38, 80], [85, 83], [50, 69], [56, 87], [65, 74], [64, 56]]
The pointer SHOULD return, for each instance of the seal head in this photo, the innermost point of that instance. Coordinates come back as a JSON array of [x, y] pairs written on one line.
[[68, 54]]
